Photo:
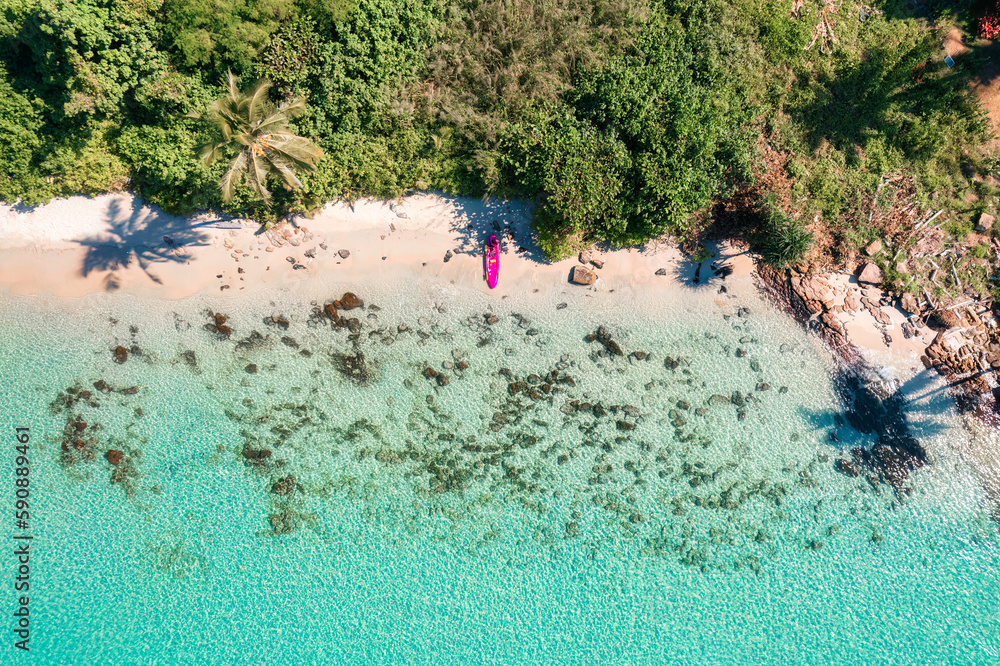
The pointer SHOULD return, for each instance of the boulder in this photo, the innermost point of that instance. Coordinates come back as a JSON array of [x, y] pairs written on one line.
[[344, 254], [251, 368], [585, 257], [873, 248], [661, 271], [348, 302], [985, 223], [908, 303], [597, 263], [114, 456], [120, 354], [582, 275], [869, 273]]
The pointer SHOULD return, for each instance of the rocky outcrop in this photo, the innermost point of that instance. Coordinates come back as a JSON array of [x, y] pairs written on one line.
[[908, 303], [815, 292], [582, 275], [869, 273]]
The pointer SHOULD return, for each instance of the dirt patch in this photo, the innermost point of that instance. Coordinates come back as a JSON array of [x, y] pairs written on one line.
[[954, 43], [986, 84]]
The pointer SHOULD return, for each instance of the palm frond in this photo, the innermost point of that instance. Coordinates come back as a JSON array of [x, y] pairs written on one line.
[[236, 171], [293, 107], [210, 152], [285, 171], [258, 174], [256, 101], [249, 120], [296, 150]]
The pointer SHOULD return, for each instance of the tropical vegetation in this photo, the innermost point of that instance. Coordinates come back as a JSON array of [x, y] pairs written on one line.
[[267, 149], [622, 119]]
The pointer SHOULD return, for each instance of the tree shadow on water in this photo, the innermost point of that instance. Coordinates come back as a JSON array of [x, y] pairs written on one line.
[[141, 234]]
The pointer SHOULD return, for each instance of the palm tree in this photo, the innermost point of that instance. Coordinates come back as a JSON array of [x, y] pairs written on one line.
[[248, 118]]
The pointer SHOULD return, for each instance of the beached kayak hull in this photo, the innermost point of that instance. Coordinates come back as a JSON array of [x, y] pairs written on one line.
[[491, 261]]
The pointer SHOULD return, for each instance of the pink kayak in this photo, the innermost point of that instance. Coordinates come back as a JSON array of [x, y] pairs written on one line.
[[491, 261]]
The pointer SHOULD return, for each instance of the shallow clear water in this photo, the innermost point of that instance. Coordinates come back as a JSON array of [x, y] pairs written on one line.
[[458, 524]]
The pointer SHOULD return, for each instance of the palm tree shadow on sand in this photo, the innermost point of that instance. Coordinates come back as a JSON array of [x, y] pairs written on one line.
[[141, 234]]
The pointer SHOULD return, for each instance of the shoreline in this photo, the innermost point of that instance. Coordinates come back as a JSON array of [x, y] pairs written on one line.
[[116, 244]]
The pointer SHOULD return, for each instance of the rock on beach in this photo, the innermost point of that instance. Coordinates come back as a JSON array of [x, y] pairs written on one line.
[[582, 275]]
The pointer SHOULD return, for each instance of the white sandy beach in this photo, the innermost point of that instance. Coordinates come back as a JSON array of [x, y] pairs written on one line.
[[76, 246], [71, 247]]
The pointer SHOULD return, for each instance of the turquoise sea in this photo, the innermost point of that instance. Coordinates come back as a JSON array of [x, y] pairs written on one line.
[[610, 511]]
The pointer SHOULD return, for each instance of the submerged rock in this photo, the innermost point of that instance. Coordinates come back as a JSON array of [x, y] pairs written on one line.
[[609, 343], [114, 456], [252, 456], [286, 521], [189, 358], [284, 486], [355, 367], [120, 354], [846, 467]]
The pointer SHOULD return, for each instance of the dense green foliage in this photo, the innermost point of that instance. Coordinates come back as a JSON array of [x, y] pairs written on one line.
[[623, 119], [257, 130], [782, 239]]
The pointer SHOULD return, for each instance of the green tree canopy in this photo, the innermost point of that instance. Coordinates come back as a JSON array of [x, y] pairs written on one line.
[[247, 119]]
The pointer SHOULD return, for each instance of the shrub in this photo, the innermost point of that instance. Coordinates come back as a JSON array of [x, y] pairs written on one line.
[[980, 252], [784, 240]]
